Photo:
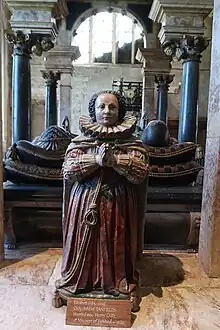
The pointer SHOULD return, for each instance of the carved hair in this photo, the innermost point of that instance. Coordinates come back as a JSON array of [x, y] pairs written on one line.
[[121, 102]]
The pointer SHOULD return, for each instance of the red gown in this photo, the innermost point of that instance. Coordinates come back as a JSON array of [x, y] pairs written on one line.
[[105, 255]]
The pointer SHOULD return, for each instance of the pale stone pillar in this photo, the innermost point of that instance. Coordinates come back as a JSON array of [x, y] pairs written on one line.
[[1, 178], [60, 58], [6, 58], [152, 38], [205, 71], [148, 97], [209, 241], [3, 96], [65, 100], [154, 62]]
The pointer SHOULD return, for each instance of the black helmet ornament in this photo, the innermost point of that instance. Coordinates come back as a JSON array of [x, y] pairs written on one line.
[[156, 134]]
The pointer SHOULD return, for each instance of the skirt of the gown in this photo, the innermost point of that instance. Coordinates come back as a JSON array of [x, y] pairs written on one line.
[[104, 255]]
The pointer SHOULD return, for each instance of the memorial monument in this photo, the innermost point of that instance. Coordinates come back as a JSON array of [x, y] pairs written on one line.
[[105, 172]]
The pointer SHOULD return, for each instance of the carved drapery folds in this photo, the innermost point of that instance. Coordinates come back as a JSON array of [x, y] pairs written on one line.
[[188, 48]]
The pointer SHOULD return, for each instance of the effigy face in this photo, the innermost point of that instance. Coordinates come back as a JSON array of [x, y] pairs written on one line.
[[102, 220], [107, 109]]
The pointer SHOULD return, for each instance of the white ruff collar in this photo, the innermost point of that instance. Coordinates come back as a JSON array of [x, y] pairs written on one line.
[[125, 129]]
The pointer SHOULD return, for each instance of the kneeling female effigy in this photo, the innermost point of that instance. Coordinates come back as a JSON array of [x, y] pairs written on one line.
[[105, 174]]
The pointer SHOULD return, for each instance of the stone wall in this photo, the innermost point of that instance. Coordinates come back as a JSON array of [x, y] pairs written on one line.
[[37, 96], [89, 79]]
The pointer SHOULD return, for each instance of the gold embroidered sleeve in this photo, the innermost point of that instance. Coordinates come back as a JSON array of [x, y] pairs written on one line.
[[77, 164], [133, 165]]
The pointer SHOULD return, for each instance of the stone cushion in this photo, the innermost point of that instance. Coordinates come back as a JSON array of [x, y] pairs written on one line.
[[174, 154], [179, 174], [33, 154], [16, 172]]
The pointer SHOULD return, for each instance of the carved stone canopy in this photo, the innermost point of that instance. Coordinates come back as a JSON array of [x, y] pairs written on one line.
[[180, 17], [37, 17], [160, 8]]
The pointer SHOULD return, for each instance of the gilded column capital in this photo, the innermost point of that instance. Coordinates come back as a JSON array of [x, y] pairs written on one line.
[[50, 77], [188, 48], [22, 42], [28, 43], [164, 80]]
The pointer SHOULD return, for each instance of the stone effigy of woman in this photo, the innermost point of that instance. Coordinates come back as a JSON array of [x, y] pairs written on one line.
[[104, 170]]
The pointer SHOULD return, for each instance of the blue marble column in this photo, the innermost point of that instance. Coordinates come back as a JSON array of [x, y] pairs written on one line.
[[24, 45], [21, 87], [188, 49], [163, 81], [51, 79], [188, 120]]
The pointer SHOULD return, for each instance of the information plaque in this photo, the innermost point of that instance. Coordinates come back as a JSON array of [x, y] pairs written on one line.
[[99, 312]]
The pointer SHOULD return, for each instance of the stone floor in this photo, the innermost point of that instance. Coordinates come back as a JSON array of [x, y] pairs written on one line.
[[177, 295]]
